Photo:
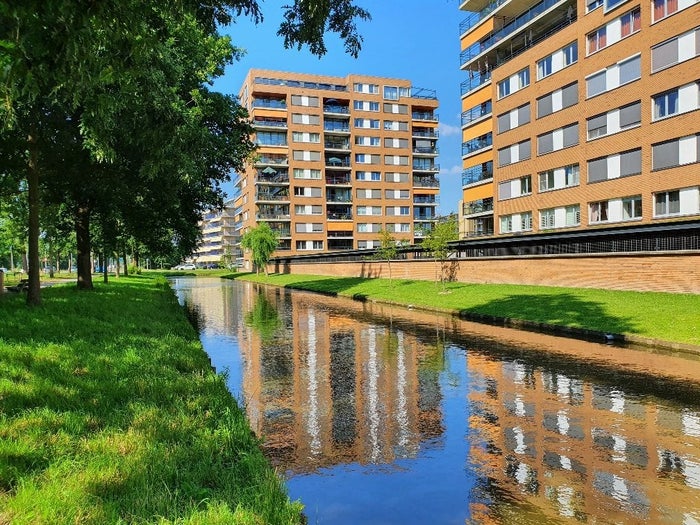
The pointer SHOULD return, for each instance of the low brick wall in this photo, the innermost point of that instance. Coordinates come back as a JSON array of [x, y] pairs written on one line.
[[660, 272]]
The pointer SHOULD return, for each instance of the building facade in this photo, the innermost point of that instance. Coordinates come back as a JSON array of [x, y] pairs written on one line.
[[339, 159], [221, 232], [579, 115]]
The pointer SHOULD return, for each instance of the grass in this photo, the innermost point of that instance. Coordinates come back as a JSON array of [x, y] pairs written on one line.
[[110, 413], [666, 317]]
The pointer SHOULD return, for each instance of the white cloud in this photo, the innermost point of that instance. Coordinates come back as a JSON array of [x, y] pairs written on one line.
[[453, 170], [446, 130]]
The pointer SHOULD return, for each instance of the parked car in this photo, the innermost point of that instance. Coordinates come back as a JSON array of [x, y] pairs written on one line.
[[186, 266], [3, 270]]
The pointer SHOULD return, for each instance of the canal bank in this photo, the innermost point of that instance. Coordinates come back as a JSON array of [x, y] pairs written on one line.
[[652, 319]]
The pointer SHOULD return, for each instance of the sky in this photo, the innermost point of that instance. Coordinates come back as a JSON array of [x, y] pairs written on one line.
[[417, 40]]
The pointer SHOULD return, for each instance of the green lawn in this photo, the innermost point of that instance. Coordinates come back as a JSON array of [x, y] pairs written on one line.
[[662, 316], [110, 413]]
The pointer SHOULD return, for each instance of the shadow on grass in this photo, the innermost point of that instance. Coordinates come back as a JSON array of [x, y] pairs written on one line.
[[562, 313]]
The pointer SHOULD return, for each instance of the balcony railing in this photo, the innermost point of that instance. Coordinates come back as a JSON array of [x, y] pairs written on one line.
[[425, 166], [279, 177], [426, 151], [343, 179], [339, 216], [336, 127], [271, 123], [477, 144], [265, 196], [428, 134], [272, 142], [340, 244], [269, 103], [474, 81], [477, 112], [476, 174], [423, 217], [335, 162], [339, 234], [336, 144], [299, 83], [336, 109], [426, 182], [271, 216], [496, 36], [478, 206], [276, 160], [475, 17], [339, 198], [425, 199], [424, 115]]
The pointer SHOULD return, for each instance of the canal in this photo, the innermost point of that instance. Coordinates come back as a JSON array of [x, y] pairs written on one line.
[[379, 414]]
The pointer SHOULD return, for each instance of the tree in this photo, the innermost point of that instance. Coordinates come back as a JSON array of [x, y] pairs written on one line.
[[105, 66], [261, 241], [436, 243], [388, 249]]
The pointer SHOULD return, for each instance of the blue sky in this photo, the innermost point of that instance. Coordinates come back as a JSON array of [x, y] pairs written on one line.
[[413, 39]]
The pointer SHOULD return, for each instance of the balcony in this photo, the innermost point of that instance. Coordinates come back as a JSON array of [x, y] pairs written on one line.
[[272, 160], [425, 199], [342, 145], [338, 162], [269, 103], [426, 150], [340, 244], [271, 176], [338, 196], [263, 122], [424, 115], [299, 83], [336, 126], [478, 206], [475, 80], [272, 196], [429, 181], [335, 109], [424, 216], [425, 166], [476, 113], [425, 133], [477, 144], [477, 173], [339, 212], [272, 142], [475, 17], [341, 179], [340, 234], [272, 216]]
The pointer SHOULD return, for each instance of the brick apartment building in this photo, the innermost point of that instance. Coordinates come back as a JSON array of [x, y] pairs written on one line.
[[338, 160], [578, 115]]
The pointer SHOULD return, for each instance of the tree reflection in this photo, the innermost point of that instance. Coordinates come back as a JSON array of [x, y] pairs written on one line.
[[263, 318]]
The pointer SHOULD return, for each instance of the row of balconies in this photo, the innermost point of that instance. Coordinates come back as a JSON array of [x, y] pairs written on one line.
[[344, 162], [342, 215], [334, 109], [271, 176], [428, 200]]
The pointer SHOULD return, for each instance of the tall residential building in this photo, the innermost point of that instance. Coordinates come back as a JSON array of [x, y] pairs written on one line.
[[579, 115], [221, 231], [339, 159]]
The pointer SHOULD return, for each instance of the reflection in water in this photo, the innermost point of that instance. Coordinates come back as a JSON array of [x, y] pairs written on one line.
[[380, 415]]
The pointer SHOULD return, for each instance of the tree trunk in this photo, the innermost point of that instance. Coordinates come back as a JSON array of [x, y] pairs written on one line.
[[34, 292], [126, 265], [82, 237], [103, 265], [116, 257]]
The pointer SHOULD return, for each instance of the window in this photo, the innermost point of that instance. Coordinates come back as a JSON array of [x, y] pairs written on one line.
[[676, 152], [546, 219], [365, 105], [570, 54], [664, 8], [515, 188], [614, 76], [514, 83], [391, 93], [597, 126], [303, 100], [371, 89], [507, 224], [665, 104], [514, 153], [368, 175], [306, 173], [610, 4], [564, 177], [557, 139], [632, 207], [514, 118], [679, 49], [544, 67], [301, 191], [298, 136], [593, 4], [299, 118], [573, 215], [667, 203], [394, 125], [366, 123], [306, 155], [596, 40], [631, 22], [598, 212], [557, 100], [526, 221]]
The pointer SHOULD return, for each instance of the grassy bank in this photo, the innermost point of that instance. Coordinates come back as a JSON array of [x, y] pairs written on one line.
[[110, 413], [661, 316]]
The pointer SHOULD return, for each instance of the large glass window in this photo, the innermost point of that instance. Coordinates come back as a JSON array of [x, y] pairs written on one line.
[[665, 104], [667, 203], [663, 8], [632, 207], [391, 93]]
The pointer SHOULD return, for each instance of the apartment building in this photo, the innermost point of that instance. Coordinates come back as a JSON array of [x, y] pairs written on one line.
[[221, 231], [579, 114], [339, 159]]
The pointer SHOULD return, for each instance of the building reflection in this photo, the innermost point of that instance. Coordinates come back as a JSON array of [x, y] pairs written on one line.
[[576, 450], [328, 389]]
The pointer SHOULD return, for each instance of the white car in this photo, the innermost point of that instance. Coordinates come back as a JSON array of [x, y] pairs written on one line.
[[186, 266]]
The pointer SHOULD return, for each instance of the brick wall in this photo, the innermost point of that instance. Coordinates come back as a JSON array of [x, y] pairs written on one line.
[[654, 272]]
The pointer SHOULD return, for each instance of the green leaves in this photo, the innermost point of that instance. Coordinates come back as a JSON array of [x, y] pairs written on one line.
[[262, 241]]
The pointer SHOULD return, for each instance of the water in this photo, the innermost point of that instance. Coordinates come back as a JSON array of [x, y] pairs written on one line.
[[383, 415]]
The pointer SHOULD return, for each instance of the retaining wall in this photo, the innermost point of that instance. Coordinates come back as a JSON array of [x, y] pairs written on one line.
[[660, 272]]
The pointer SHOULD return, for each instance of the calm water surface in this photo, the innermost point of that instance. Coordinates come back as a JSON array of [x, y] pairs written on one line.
[[384, 415]]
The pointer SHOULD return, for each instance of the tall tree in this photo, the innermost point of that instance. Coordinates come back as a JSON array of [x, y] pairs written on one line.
[[97, 63], [436, 243], [388, 249], [261, 241]]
